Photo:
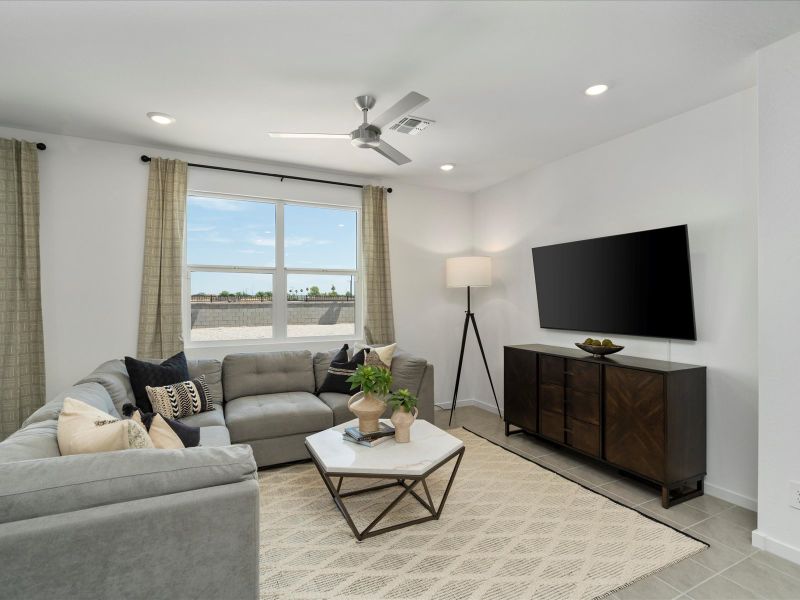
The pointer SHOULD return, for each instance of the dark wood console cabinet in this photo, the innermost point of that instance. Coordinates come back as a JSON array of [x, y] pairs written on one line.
[[645, 417]]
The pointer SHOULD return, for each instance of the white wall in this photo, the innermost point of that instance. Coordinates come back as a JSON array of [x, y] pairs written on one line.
[[779, 296], [697, 168], [93, 197]]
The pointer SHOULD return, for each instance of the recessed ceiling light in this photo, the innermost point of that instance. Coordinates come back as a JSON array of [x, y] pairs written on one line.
[[161, 118], [447, 167], [596, 90]]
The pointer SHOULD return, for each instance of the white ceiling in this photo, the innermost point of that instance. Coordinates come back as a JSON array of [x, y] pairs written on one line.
[[505, 79]]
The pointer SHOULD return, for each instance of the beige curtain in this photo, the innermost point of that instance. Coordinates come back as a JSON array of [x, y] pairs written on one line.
[[160, 329], [378, 317], [21, 339]]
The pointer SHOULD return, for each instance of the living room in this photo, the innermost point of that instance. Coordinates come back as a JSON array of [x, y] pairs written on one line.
[[162, 194]]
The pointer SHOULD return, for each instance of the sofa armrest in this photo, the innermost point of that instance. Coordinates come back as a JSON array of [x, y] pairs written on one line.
[[189, 545], [48, 486], [425, 395]]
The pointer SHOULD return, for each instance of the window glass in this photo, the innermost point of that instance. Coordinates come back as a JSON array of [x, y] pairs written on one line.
[[220, 231], [319, 238], [230, 306], [320, 304]]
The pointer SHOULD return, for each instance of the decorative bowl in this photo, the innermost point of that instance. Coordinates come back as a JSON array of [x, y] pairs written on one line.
[[599, 351]]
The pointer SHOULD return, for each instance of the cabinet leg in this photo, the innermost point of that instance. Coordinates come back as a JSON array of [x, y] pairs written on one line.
[[665, 496], [681, 494]]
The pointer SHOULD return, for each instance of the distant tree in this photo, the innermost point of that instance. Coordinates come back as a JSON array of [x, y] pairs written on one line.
[[224, 293], [348, 294], [313, 291]]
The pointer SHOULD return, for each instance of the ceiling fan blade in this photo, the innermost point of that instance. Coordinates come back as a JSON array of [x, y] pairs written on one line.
[[404, 106], [311, 136], [392, 153]]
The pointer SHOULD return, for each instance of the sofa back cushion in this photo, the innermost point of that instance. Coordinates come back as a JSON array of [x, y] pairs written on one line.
[[212, 369], [259, 373], [113, 376], [93, 394], [37, 440]]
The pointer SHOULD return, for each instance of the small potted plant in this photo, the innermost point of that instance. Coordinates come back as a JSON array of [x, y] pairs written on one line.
[[370, 403], [404, 404]]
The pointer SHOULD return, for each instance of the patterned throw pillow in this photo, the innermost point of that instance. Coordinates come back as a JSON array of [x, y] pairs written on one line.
[[341, 368], [379, 356], [181, 399]]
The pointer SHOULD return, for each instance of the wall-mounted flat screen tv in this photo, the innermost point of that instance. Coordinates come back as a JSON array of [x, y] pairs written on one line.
[[636, 284]]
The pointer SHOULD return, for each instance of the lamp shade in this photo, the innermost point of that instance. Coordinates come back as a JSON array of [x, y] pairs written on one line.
[[469, 271]]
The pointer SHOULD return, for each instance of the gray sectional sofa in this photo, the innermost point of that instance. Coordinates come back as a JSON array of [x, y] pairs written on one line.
[[165, 523]]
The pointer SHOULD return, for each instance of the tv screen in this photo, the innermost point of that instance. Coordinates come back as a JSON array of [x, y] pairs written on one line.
[[635, 284]]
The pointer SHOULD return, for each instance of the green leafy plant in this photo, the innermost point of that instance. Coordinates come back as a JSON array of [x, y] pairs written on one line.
[[402, 399], [371, 379]]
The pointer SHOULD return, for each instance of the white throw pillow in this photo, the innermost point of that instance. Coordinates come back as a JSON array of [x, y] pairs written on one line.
[[83, 429], [160, 432], [385, 353]]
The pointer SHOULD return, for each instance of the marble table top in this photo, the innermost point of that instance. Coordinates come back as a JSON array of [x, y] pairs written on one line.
[[428, 447]]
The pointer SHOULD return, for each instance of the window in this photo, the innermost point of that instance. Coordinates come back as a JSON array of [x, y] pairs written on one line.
[[270, 270]]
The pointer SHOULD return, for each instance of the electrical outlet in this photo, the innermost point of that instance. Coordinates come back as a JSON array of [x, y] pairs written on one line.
[[794, 490]]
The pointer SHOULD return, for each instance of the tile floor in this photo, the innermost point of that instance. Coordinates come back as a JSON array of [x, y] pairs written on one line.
[[731, 569]]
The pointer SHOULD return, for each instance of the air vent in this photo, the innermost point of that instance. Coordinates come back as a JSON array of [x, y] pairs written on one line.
[[412, 125]]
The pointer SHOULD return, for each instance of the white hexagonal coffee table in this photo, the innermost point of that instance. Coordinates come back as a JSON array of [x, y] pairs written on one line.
[[405, 465]]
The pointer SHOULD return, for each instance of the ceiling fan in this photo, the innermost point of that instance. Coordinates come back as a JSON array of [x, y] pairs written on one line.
[[368, 135]]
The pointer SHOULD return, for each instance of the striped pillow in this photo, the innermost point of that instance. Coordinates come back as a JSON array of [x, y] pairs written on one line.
[[181, 399]]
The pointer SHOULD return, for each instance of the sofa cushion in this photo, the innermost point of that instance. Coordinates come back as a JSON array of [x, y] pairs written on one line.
[[268, 416], [215, 435], [260, 373], [205, 419], [92, 394], [341, 369], [37, 488], [113, 376], [322, 361], [212, 369], [407, 372], [37, 440]]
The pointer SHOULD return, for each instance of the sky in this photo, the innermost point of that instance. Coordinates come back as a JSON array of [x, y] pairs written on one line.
[[242, 233]]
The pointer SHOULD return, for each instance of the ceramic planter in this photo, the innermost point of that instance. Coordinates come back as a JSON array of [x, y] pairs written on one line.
[[402, 421], [368, 408]]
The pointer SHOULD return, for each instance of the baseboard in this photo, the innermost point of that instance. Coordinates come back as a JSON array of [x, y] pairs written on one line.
[[731, 496], [468, 402], [770, 544]]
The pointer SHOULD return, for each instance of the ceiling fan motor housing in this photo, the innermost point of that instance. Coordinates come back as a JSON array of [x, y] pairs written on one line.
[[366, 136]]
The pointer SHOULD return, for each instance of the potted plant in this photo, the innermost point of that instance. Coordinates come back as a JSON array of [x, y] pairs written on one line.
[[404, 404], [370, 403]]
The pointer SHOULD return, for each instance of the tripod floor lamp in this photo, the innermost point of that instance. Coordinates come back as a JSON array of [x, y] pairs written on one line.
[[470, 272]]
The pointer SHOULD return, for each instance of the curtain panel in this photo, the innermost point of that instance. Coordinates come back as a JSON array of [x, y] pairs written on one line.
[[160, 314], [22, 375], [378, 315]]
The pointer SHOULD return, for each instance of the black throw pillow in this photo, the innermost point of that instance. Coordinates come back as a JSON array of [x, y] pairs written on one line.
[[142, 374], [341, 368], [190, 436]]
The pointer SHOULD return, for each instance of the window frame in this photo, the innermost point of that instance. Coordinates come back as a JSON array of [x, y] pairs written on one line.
[[279, 277]]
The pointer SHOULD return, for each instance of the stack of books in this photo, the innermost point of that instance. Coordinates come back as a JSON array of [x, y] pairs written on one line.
[[354, 435]]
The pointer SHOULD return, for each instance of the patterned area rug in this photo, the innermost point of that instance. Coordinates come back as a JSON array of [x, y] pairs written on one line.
[[510, 530]]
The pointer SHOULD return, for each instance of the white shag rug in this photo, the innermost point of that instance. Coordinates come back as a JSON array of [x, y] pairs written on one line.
[[510, 530]]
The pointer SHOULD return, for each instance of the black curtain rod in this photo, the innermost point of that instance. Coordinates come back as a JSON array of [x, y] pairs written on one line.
[[146, 159]]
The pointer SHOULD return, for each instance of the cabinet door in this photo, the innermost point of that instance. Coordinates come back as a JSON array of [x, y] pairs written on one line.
[[634, 420], [519, 377]]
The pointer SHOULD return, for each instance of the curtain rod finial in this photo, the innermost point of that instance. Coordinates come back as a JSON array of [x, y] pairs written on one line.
[[41, 146], [389, 190], [145, 158]]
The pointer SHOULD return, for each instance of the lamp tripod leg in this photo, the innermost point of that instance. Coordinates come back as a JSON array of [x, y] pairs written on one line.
[[460, 363], [485, 363]]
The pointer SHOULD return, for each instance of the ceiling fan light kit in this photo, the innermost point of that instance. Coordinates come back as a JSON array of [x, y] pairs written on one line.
[[368, 135]]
